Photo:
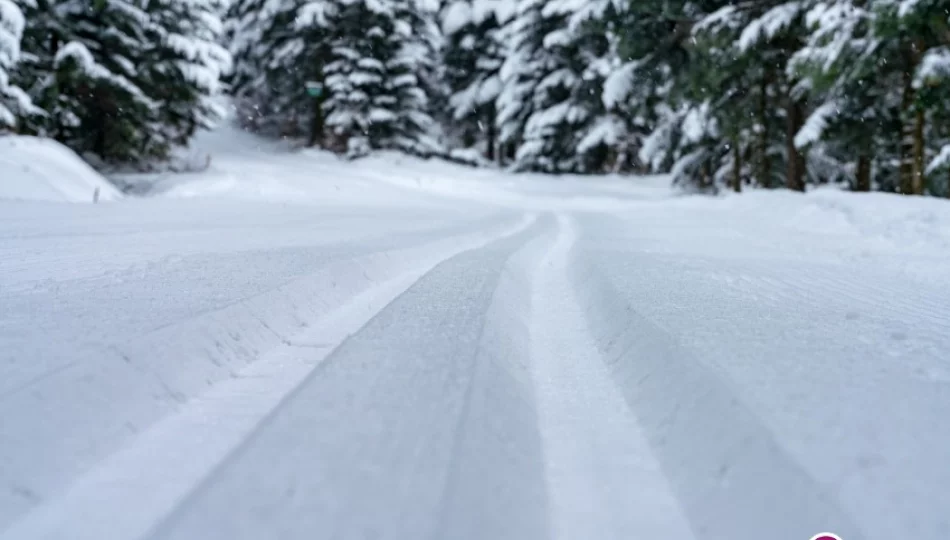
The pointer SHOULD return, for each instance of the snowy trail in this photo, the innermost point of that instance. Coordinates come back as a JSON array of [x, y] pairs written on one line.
[[185, 369]]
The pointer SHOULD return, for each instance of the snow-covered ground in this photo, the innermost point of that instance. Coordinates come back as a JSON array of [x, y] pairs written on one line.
[[292, 346], [35, 169]]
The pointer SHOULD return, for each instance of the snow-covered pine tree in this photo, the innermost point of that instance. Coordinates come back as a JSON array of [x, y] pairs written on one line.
[[553, 81], [432, 74], [518, 74], [185, 68], [879, 69], [472, 58], [410, 78], [851, 104], [748, 46], [375, 99], [655, 42], [717, 129], [608, 138], [80, 65], [13, 100], [279, 46], [541, 33], [120, 81], [915, 34], [787, 92]]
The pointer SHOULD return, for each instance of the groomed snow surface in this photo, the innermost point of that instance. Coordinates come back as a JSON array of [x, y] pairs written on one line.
[[292, 346]]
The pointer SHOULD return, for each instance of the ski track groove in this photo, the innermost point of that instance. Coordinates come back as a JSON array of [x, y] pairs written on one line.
[[719, 487], [474, 500], [171, 525], [603, 479]]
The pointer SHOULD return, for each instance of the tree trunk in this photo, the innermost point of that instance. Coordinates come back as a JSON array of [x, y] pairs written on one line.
[[764, 165], [795, 173], [316, 124], [490, 132], [98, 104], [736, 166], [511, 151], [917, 172], [863, 176], [907, 136], [704, 180]]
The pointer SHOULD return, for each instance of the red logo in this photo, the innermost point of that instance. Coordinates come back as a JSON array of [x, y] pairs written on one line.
[[826, 536]]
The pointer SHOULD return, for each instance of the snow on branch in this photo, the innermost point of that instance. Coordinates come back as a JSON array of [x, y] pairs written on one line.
[[814, 127], [81, 57], [906, 7], [456, 16], [314, 14], [11, 29], [593, 10], [608, 130], [721, 19], [942, 160], [935, 65], [698, 123], [769, 24], [619, 85]]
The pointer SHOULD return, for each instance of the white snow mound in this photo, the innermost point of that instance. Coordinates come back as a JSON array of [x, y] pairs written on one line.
[[38, 169]]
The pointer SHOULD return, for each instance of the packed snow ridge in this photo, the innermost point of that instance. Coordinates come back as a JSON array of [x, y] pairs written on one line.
[[289, 345]]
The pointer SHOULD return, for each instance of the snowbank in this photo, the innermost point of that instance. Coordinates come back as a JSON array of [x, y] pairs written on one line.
[[36, 169], [907, 221]]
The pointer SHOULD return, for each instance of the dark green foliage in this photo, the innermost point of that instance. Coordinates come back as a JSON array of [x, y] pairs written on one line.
[[120, 82]]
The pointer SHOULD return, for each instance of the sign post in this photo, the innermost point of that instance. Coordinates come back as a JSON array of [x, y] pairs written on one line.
[[315, 90]]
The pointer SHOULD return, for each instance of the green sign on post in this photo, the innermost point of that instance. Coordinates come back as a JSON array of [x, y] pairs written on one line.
[[314, 89]]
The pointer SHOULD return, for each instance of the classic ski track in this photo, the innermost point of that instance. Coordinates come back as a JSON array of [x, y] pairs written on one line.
[[797, 316], [721, 488], [604, 482], [360, 451], [161, 467]]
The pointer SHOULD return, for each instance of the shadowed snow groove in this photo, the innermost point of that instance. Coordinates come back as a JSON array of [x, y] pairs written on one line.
[[496, 486], [733, 478], [380, 438]]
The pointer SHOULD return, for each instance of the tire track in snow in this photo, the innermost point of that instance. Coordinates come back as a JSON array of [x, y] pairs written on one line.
[[603, 480], [126, 494]]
